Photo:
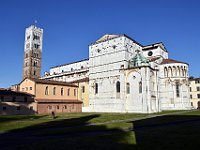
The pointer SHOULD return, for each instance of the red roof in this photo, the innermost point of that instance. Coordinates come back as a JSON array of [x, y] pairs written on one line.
[[52, 82], [171, 61]]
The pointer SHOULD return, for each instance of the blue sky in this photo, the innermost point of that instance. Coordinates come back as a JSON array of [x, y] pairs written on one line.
[[71, 25]]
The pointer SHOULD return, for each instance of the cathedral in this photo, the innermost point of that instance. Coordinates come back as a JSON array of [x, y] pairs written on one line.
[[122, 75]]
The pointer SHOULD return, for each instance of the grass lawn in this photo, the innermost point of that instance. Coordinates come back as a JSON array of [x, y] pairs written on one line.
[[180, 130]]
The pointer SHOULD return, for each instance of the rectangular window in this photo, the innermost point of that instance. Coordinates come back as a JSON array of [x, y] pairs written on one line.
[[30, 88], [127, 88], [31, 108], [198, 95], [13, 98], [74, 92], [190, 89], [18, 107], [4, 108], [25, 99], [198, 88], [54, 91], [197, 81], [83, 89], [140, 87], [191, 96], [2, 98], [177, 90], [68, 92]]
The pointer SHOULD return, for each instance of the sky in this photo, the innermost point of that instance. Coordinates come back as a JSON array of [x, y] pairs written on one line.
[[71, 25]]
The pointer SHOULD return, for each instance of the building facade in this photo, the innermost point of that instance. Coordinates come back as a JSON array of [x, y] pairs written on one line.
[[32, 52], [16, 103], [195, 92], [52, 96], [125, 76]]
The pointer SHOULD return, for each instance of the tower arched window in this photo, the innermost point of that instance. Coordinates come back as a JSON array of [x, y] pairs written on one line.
[[140, 87], [128, 88], [118, 87], [96, 88], [46, 90]]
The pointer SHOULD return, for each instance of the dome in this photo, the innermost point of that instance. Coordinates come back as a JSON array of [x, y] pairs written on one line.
[[138, 60]]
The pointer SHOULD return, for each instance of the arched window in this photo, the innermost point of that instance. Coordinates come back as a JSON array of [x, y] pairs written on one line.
[[165, 72], [174, 71], [178, 71], [54, 91], [96, 88], [177, 90], [128, 88], [183, 72], [61, 91], [140, 87], [118, 87], [46, 90], [170, 72]]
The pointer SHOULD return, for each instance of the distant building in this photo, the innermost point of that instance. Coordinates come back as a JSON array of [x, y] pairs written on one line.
[[32, 52], [16, 103], [52, 96], [195, 92]]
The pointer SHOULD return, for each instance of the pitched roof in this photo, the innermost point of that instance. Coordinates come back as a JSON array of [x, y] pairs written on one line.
[[171, 61], [108, 37], [70, 63], [13, 93], [57, 101], [80, 80], [45, 81], [154, 46]]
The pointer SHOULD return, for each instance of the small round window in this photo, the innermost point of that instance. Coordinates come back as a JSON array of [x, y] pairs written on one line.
[[150, 53]]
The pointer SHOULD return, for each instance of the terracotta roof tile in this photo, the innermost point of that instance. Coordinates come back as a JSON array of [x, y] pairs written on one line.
[[171, 61], [45, 81]]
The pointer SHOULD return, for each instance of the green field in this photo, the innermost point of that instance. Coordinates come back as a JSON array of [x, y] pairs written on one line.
[[166, 130]]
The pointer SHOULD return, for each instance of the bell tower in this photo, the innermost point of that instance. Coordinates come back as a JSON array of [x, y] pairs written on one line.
[[32, 52]]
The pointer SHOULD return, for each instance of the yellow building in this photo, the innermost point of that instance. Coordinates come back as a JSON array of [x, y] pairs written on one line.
[[52, 96], [83, 92], [195, 92]]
